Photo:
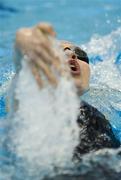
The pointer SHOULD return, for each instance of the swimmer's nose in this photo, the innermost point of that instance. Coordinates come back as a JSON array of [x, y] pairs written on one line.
[[71, 54]]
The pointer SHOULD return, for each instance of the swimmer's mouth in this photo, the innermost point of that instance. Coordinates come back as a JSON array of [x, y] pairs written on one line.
[[75, 67]]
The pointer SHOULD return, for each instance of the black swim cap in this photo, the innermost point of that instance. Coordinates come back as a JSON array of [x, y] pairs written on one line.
[[82, 55]]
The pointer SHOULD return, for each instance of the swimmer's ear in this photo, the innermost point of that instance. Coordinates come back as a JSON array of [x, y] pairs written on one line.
[[46, 28]]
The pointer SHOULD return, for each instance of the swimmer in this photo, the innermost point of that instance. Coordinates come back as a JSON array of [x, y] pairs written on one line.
[[34, 43], [96, 132]]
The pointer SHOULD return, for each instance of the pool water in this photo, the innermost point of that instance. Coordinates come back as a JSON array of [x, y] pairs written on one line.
[[94, 25]]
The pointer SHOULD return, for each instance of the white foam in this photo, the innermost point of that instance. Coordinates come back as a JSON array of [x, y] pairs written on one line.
[[46, 132], [105, 83], [106, 46]]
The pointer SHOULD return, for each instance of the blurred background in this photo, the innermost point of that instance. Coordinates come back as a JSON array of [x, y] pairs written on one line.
[[74, 20]]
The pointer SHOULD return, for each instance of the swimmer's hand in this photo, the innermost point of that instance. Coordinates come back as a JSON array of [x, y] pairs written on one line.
[[36, 44]]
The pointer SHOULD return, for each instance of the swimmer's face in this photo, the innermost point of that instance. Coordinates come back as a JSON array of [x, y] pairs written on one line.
[[79, 67]]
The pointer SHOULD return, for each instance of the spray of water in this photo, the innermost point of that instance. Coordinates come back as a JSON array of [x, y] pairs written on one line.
[[105, 84], [45, 131], [44, 128]]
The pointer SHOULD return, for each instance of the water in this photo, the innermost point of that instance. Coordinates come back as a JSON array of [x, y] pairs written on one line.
[[96, 26], [105, 89], [44, 139]]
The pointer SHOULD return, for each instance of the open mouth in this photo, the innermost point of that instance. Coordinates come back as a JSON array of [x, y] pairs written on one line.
[[75, 67]]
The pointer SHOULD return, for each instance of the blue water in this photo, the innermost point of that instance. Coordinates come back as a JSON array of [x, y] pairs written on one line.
[[79, 21], [76, 21]]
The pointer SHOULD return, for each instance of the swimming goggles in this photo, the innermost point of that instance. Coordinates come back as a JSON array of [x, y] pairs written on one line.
[[81, 55]]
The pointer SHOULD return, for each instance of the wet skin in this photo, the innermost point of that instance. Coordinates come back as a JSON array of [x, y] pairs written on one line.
[[36, 44]]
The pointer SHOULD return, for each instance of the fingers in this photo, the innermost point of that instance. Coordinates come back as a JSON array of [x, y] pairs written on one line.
[[46, 28], [43, 53], [42, 46], [47, 48], [46, 71], [42, 59], [50, 70], [36, 74], [48, 57], [39, 48]]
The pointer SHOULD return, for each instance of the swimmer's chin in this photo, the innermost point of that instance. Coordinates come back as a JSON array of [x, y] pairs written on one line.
[[81, 91], [81, 88]]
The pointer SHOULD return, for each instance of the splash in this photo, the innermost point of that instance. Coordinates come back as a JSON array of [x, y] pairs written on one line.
[[45, 131], [43, 139], [107, 46], [105, 83]]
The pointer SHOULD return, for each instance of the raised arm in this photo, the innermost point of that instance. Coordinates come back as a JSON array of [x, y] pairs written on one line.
[[36, 44]]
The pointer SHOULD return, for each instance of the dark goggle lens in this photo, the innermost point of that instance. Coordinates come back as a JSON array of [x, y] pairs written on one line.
[[82, 55]]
